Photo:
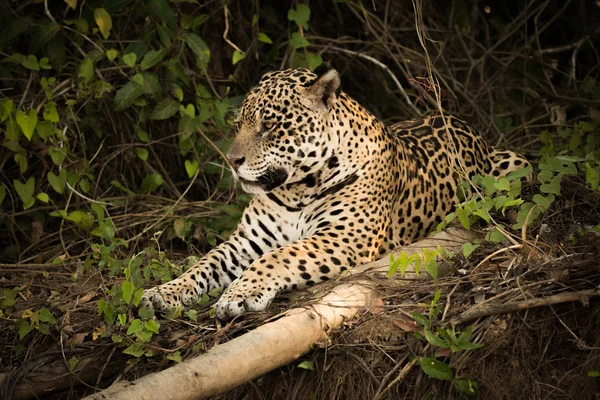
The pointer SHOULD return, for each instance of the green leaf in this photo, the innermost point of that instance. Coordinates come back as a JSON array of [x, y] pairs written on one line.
[[86, 71], [192, 314], [191, 166], [143, 136], [469, 346], [570, 159], [150, 84], [13, 132], [73, 5], [153, 57], [165, 35], [434, 340], [144, 312], [31, 62], [519, 173], [45, 63], [502, 184], [58, 155], [152, 326], [27, 122], [136, 325], [420, 319], [125, 96], [50, 113], [162, 10], [593, 374], [262, 37], [553, 186], [151, 183], [511, 203], [25, 190], [21, 160], [6, 106], [43, 197], [309, 365], [394, 264], [46, 316], [73, 361], [237, 57], [128, 289], [592, 176], [46, 128], [494, 236], [187, 126], [80, 23], [104, 21], [24, 328], [524, 212], [436, 369], [10, 298], [130, 59], [175, 357], [136, 350], [489, 185], [314, 61], [545, 202], [85, 185], [298, 41], [463, 217], [466, 386], [142, 153], [468, 248], [111, 54], [166, 108], [2, 193], [59, 182], [300, 15], [198, 46]]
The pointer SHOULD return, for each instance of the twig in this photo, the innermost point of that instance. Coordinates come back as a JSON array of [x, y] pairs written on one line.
[[566, 47], [387, 376], [494, 309], [400, 376], [229, 42], [105, 365], [513, 247], [362, 364], [386, 69], [448, 302], [26, 89]]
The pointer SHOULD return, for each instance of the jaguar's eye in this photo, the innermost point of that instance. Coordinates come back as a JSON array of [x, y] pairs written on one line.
[[267, 126]]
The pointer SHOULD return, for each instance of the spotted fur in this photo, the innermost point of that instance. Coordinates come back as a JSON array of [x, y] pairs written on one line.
[[334, 187]]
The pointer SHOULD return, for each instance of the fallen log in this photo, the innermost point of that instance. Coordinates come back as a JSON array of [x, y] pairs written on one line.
[[276, 343]]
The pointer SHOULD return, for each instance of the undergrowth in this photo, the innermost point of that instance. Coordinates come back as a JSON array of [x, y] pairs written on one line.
[[115, 115]]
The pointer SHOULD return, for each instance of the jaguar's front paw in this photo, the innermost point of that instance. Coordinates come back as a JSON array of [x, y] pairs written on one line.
[[166, 297], [237, 301]]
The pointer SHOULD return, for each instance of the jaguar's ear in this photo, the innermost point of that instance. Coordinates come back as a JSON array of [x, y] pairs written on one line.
[[326, 87]]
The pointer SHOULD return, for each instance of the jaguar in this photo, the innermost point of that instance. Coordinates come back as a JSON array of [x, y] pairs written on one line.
[[333, 186]]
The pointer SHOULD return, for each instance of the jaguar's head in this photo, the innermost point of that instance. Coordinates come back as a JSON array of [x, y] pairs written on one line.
[[283, 129]]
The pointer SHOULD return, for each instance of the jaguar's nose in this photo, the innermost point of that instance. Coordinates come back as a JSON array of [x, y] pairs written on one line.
[[236, 162]]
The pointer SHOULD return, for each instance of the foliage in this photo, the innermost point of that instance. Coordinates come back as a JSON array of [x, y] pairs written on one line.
[[572, 152], [446, 338], [83, 94], [114, 116]]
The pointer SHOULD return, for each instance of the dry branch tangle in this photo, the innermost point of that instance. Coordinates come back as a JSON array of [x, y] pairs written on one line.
[[274, 344]]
